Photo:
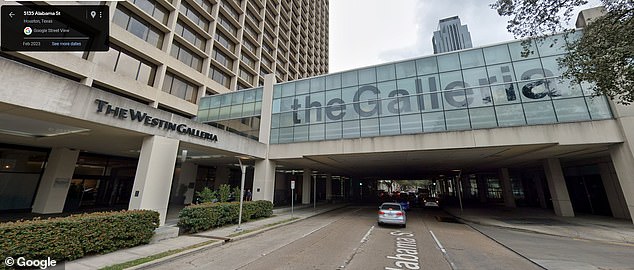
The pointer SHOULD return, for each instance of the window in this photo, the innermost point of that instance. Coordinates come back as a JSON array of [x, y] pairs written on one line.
[[153, 8], [186, 56], [193, 15], [219, 76], [228, 25], [222, 58], [180, 88], [267, 48], [232, 11], [190, 35], [128, 65], [138, 27], [249, 46], [245, 75], [205, 4], [248, 60], [225, 41], [249, 29]]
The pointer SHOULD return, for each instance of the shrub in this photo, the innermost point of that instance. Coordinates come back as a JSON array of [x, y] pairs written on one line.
[[201, 217], [72, 237], [224, 192], [207, 195]]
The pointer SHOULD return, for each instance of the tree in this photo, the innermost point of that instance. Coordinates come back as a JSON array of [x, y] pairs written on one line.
[[207, 195], [602, 56]]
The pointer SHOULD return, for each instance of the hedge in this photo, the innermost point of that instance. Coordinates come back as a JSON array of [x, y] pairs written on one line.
[[201, 217], [75, 236]]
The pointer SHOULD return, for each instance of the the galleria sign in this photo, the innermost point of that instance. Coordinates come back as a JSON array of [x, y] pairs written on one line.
[[461, 96], [141, 117]]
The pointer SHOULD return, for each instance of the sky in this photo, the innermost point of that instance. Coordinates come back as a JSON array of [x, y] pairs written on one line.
[[370, 32]]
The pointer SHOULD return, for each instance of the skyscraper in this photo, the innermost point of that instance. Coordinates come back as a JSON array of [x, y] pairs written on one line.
[[451, 36]]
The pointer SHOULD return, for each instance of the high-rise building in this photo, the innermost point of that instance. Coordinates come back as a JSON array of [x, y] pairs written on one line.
[[451, 36], [164, 56]]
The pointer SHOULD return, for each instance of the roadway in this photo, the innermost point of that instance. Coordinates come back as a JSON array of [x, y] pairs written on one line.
[[349, 238]]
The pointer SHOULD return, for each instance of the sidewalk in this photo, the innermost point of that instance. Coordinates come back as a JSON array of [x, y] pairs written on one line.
[[544, 221], [202, 240]]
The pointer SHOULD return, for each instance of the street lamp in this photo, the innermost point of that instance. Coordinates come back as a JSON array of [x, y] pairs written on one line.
[[243, 168]]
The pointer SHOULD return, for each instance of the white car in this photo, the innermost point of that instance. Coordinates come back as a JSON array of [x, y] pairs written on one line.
[[392, 213], [431, 202]]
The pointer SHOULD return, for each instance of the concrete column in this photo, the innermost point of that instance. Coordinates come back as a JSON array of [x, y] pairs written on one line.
[[222, 176], [154, 173], [622, 155], [613, 191], [264, 180], [307, 186], [540, 191], [482, 188], [328, 187], [507, 188], [51, 194], [267, 108], [557, 187], [622, 160], [188, 179]]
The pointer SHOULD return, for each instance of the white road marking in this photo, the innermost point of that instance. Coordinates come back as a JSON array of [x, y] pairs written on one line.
[[438, 243], [365, 237], [443, 250]]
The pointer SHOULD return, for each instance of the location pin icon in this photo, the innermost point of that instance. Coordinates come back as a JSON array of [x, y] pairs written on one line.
[[93, 13]]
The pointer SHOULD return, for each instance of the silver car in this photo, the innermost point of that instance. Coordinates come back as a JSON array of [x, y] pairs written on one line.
[[392, 213]]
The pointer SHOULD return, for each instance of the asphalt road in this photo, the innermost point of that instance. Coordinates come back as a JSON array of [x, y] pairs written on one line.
[[349, 238]]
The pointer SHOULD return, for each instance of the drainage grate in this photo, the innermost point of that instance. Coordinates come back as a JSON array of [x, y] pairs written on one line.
[[448, 219]]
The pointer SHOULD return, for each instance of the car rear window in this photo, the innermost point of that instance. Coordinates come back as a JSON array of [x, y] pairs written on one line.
[[388, 206]]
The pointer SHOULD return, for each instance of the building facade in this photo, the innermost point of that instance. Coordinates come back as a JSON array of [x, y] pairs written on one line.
[[451, 36], [509, 128], [77, 134], [165, 55]]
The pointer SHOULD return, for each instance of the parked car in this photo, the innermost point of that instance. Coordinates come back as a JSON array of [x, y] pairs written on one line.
[[431, 202], [392, 213]]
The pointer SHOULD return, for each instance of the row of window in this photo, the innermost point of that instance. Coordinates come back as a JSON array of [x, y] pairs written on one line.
[[545, 112], [127, 64], [180, 87], [501, 73], [186, 56], [138, 27]]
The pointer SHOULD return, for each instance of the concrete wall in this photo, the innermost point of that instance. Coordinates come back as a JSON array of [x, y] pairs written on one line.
[[31, 88], [605, 131]]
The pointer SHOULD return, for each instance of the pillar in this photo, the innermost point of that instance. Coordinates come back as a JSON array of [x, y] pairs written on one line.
[[507, 188], [557, 187], [264, 180], [154, 173], [482, 188], [622, 161], [53, 188], [329, 187], [307, 187], [540, 191], [187, 181], [222, 176]]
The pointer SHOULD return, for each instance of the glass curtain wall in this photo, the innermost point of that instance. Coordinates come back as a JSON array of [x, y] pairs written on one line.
[[472, 89]]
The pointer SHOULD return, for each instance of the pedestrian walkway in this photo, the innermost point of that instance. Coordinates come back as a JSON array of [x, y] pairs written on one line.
[[544, 221], [202, 240]]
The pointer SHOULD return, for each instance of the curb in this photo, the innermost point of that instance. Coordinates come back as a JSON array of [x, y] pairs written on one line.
[[232, 239], [467, 221]]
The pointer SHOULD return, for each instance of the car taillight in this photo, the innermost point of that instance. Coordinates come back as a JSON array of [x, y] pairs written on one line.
[[381, 213], [399, 214]]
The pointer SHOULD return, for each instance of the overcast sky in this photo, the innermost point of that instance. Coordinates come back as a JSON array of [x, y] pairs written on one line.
[[369, 32]]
